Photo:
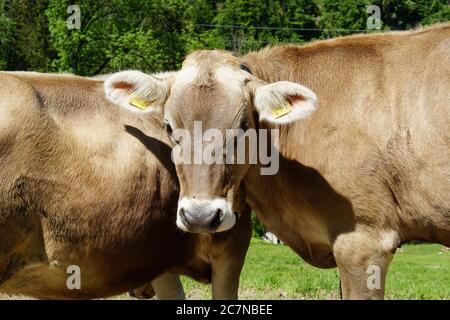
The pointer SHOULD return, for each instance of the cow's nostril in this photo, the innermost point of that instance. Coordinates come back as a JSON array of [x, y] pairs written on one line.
[[182, 214], [216, 219]]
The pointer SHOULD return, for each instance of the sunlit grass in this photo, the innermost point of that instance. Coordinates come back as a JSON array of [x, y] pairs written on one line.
[[276, 272]]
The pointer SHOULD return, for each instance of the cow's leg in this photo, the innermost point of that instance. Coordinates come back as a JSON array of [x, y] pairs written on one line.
[[363, 260], [225, 280], [228, 256], [168, 286], [227, 267]]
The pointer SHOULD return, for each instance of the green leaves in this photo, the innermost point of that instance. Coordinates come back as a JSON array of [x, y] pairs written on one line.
[[6, 39], [24, 33], [118, 34], [155, 35]]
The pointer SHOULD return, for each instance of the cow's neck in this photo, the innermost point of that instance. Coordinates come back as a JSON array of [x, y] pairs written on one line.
[[298, 202]]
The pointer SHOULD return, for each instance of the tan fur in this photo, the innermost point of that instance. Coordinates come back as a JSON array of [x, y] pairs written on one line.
[[86, 183], [366, 172]]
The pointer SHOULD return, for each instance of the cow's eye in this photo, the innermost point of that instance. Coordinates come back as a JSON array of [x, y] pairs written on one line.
[[244, 125], [245, 68], [168, 128]]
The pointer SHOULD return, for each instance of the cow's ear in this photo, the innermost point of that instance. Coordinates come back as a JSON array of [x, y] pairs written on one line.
[[283, 102], [137, 91]]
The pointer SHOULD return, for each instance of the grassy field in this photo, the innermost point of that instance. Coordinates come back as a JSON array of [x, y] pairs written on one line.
[[276, 272]]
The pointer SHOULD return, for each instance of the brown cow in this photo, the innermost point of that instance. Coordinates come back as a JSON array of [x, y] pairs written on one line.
[[368, 171], [84, 183]]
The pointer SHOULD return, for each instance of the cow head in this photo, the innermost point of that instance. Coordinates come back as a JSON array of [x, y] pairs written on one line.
[[212, 93]]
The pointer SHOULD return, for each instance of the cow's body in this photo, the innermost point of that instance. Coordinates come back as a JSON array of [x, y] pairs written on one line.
[[372, 164], [369, 170], [84, 183]]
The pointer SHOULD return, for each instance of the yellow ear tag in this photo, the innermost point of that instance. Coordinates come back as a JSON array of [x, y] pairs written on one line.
[[138, 102], [282, 110]]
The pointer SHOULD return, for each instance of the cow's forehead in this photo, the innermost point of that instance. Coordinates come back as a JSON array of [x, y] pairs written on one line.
[[214, 101], [209, 87], [215, 69], [223, 76], [211, 59], [214, 105]]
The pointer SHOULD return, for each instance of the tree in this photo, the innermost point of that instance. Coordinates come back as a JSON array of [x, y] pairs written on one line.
[[395, 15], [155, 35], [404, 15], [24, 30], [117, 35], [6, 39]]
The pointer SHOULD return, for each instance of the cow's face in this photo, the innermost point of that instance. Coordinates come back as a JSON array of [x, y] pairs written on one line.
[[212, 94]]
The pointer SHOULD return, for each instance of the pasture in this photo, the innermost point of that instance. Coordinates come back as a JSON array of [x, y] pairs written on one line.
[[418, 271]]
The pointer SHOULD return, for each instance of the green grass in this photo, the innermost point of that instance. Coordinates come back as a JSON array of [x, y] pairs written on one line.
[[276, 272]]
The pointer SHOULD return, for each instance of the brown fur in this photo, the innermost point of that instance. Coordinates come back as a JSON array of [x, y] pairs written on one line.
[[85, 183], [367, 171]]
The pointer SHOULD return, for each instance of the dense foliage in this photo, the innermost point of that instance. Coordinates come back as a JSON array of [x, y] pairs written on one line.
[[154, 35]]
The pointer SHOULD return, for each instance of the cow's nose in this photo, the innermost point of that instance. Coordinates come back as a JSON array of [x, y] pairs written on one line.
[[205, 222], [204, 216]]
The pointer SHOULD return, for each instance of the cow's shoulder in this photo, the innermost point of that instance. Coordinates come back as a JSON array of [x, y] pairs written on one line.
[[15, 88], [57, 93]]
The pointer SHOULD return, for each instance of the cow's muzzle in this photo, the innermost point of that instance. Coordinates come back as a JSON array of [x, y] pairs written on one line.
[[205, 216]]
